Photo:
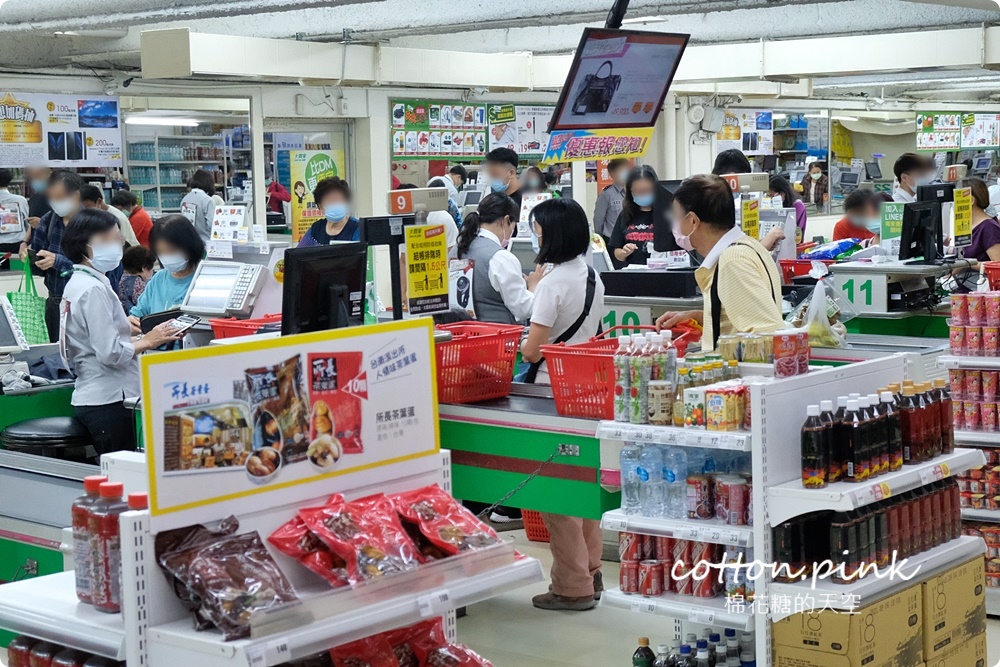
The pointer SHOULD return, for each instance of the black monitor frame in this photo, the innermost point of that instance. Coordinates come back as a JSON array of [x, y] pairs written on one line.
[[388, 230], [922, 235], [663, 236], [873, 171], [937, 192], [334, 310]]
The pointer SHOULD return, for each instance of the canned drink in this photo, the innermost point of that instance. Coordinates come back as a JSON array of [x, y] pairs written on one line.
[[647, 547], [738, 491], [786, 354], [650, 578], [974, 341], [977, 309], [682, 565], [988, 417], [993, 309], [973, 385], [734, 576], [702, 558], [991, 341], [956, 335], [971, 415], [629, 547], [699, 497], [663, 548], [668, 567], [958, 415], [960, 309], [629, 577], [804, 352], [989, 384]]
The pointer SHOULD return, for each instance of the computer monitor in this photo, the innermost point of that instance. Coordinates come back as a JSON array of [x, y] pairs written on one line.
[[663, 237], [981, 164], [769, 163], [873, 171], [922, 236], [796, 176], [470, 197], [324, 287], [938, 192], [849, 180]]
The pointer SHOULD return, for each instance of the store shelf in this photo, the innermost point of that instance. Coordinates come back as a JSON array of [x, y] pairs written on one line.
[[674, 435], [980, 438], [705, 611], [324, 619], [973, 363], [189, 161], [715, 531], [47, 608], [805, 596], [992, 516], [790, 499]]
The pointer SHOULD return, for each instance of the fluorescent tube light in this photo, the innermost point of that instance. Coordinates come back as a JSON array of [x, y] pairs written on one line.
[[168, 122], [844, 117]]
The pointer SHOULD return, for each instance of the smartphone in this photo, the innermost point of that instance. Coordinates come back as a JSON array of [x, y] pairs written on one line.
[[74, 145], [57, 145], [32, 256], [184, 322]]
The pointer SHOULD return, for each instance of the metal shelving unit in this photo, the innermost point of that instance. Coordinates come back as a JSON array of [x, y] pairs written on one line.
[[673, 435], [715, 531], [218, 140]]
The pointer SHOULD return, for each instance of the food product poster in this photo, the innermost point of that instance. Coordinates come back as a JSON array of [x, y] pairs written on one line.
[[244, 427], [307, 168], [41, 129], [427, 271], [437, 129], [980, 130], [939, 131], [750, 131], [229, 224], [520, 127], [574, 145]]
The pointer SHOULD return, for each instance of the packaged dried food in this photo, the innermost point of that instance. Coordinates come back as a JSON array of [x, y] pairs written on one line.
[[174, 551], [367, 534], [456, 655], [372, 651], [337, 386], [414, 644], [443, 520], [235, 577], [294, 539], [280, 408]]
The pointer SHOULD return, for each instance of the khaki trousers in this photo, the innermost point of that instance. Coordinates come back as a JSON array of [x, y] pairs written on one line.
[[576, 546]]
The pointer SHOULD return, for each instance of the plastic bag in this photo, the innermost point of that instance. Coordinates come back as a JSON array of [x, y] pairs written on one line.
[[368, 652], [443, 521], [831, 250], [294, 539], [456, 655], [412, 645], [824, 312]]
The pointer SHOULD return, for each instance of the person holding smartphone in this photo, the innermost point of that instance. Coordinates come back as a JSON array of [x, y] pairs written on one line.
[[179, 249], [95, 339]]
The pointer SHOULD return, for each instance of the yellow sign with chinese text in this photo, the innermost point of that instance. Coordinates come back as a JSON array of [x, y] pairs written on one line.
[[750, 211], [426, 269], [963, 216]]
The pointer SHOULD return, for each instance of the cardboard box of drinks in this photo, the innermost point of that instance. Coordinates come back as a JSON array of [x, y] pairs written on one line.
[[954, 608], [970, 654]]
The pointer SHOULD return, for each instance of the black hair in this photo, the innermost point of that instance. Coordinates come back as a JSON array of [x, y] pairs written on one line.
[[407, 186], [297, 184], [731, 161], [6, 176], [137, 259], [565, 230], [124, 198], [641, 173], [91, 193], [437, 182], [331, 184], [710, 198], [980, 191], [460, 170], [71, 182], [493, 207], [781, 185], [82, 226], [814, 165], [861, 198], [537, 172], [908, 162], [617, 162], [179, 232], [503, 156], [202, 180], [453, 315]]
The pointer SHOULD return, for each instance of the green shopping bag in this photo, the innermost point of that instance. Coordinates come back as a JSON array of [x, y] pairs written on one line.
[[30, 309]]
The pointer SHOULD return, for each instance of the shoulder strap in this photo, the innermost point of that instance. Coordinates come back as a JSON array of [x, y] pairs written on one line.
[[716, 303], [573, 328]]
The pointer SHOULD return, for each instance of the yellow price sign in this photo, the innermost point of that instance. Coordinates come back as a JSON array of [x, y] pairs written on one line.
[[945, 470], [426, 269], [963, 216], [885, 489], [750, 210]]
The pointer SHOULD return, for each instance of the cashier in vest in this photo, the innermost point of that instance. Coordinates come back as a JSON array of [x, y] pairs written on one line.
[[739, 279], [95, 339]]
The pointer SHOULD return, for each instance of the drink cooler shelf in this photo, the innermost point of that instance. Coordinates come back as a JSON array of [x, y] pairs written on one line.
[[789, 500], [739, 441], [870, 589], [715, 531], [703, 611]]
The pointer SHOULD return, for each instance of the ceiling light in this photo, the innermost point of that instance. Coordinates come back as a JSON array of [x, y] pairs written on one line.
[[821, 114], [779, 116], [843, 117], [155, 120]]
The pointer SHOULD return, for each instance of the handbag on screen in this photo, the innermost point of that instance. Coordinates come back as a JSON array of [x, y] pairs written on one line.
[[596, 91], [29, 308]]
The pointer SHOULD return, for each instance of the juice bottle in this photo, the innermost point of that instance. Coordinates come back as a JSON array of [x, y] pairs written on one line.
[[933, 413], [683, 382], [943, 395], [893, 433], [80, 513], [623, 398], [911, 426], [640, 366], [880, 436], [855, 440], [643, 656], [815, 455], [659, 362], [106, 568], [864, 411]]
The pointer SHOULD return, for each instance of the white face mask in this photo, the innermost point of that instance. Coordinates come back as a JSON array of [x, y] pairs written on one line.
[[62, 207], [107, 256], [174, 263]]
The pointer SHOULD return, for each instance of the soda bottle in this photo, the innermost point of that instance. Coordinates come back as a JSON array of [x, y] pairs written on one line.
[[815, 457], [138, 501], [623, 397], [933, 420], [855, 433], [106, 567], [943, 395], [643, 656], [912, 427], [675, 472], [880, 439], [640, 366], [834, 462], [683, 382], [685, 658], [663, 657], [629, 463], [651, 481], [893, 434], [80, 513]]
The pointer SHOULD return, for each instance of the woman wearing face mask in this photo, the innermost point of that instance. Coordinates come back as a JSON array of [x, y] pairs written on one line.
[[179, 249], [333, 197], [862, 217], [500, 291], [740, 281], [985, 246], [96, 342], [780, 187], [815, 186], [634, 228], [533, 181]]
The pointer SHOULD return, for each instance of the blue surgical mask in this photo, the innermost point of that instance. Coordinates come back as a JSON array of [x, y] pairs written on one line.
[[336, 212], [643, 200], [39, 185], [107, 256], [536, 244], [268, 181], [498, 185], [173, 263], [874, 225]]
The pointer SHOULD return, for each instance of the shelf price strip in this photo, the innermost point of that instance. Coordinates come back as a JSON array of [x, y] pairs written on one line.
[[672, 436], [714, 534], [434, 604]]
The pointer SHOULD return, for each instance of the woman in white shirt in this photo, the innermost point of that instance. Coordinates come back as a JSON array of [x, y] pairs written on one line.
[[198, 205], [500, 292], [568, 304], [95, 338]]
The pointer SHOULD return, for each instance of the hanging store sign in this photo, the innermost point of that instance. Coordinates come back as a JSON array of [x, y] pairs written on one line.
[[39, 129], [307, 168], [519, 127], [750, 131], [980, 130], [939, 131], [429, 129], [573, 145]]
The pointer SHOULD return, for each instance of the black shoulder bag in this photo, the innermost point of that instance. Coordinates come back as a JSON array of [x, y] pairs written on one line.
[[717, 303], [569, 333]]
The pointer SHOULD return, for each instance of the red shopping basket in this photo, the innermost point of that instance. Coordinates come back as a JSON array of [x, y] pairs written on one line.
[[992, 272], [534, 526], [230, 327], [792, 268], [477, 364]]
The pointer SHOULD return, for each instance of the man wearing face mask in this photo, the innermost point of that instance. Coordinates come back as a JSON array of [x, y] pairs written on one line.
[[501, 169], [38, 203], [912, 171], [609, 202], [46, 243], [277, 194], [740, 281], [862, 217], [333, 197]]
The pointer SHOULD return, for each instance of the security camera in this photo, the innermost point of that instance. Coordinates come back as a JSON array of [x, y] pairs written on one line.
[[128, 82], [110, 88], [479, 91]]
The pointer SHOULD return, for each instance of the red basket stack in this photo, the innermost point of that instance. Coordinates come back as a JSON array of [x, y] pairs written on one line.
[[992, 272], [791, 268], [478, 363], [230, 327], [534, 527]]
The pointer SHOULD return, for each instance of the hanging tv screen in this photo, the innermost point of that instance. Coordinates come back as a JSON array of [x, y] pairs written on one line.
[[618, 78]]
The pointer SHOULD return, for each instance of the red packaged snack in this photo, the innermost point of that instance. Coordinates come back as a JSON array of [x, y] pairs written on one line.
[[443, 520], [367, 534], [372, 651], [412, 645], [295, 540], [337, 386], [456, 655]]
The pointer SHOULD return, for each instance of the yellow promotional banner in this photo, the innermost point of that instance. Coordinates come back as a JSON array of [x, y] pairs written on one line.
[[750, 211], [963, 216], [307, 169], [426, 269], [573, 145]]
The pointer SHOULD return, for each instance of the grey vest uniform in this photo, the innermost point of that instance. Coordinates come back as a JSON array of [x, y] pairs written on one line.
[[487, 301]]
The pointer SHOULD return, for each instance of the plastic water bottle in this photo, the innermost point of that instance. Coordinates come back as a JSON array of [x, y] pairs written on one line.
[[675, 472], [685, 659], [623, 398], [629, 462], [747, 659], [651, 481], [663, 656]]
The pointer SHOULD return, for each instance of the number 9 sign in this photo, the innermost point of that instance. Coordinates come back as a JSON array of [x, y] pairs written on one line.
[[400, 201]]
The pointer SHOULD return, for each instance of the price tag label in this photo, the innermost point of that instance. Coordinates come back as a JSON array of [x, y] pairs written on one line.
[[643, 606], [945, 470], [702, 616], [950, 362], [434, 604], [693, 533], [864, 496], [926, 476], [617, 523], [281, 651], [671, 437], [736, 537], [714, 536], [255, 656], [882, 491]]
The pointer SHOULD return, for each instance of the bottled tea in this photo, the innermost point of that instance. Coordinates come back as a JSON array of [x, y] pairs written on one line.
[[834, 459], [855, 434], [879, 436], [943, 395], [893, 432], [912, 426], [815, 454]]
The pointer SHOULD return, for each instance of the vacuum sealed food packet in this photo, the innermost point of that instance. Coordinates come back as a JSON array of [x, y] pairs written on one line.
[[412, 645], [367, 534], [456, 655], [280, 408], [443, 520], [372, 651], [235, 577], [294, 539]]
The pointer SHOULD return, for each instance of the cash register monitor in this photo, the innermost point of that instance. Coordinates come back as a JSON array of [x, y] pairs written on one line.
[[324, 287], [873, 171], [849, 180], [223, 288], [470, 197], [663, 237], [981, 164], [922, 236], [938, 192]]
